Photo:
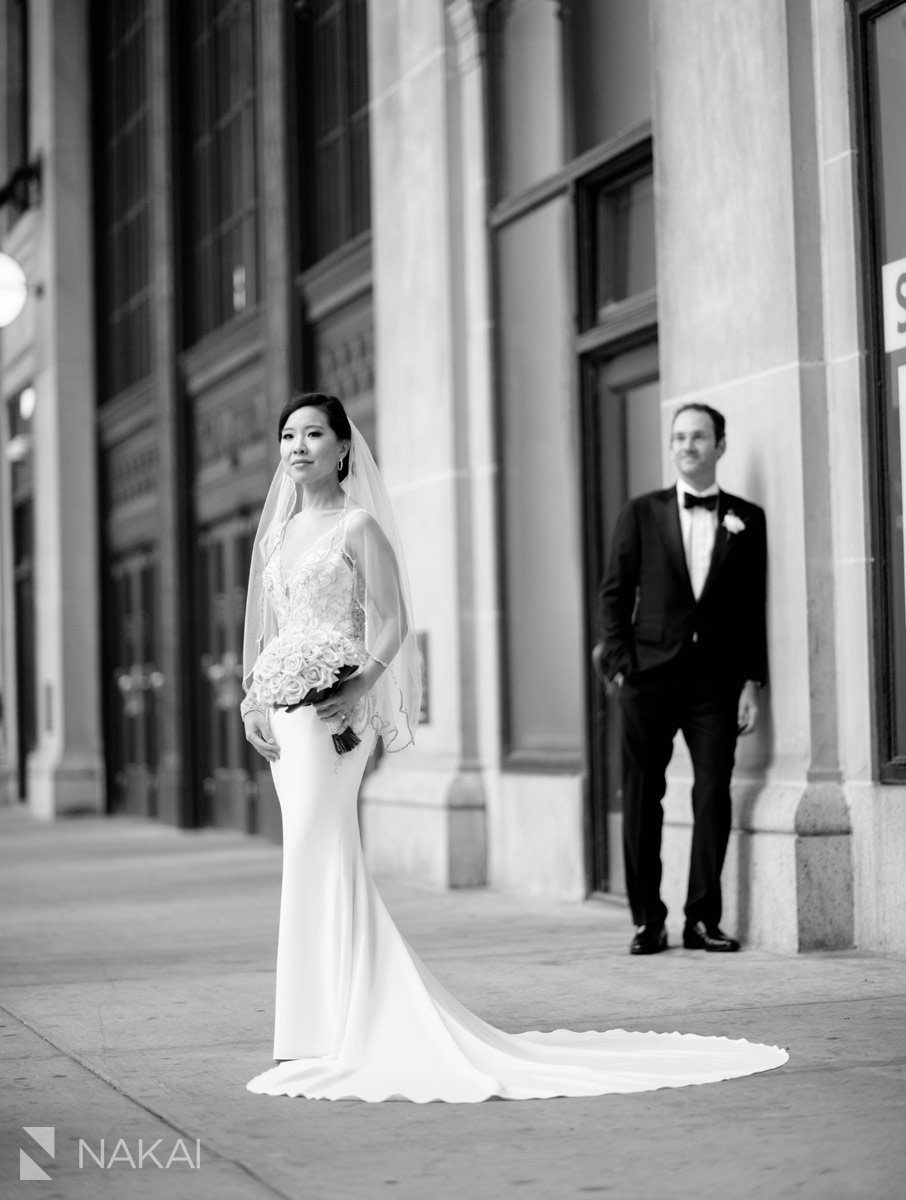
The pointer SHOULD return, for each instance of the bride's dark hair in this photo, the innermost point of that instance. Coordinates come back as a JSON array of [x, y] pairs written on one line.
[[332, 409]]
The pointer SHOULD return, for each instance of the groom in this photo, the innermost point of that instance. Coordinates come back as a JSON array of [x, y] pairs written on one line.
[[684, 641]]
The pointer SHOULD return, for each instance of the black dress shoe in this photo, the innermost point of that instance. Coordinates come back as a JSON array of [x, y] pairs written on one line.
[[649, 939], [704, 937]]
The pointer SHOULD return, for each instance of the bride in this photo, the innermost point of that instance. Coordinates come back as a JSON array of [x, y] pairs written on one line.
[[357, 1013]]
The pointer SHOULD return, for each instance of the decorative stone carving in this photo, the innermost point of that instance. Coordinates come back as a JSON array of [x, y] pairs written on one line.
[[468, 20], [222, 428], [493, 13], [346, 367], [498, 11], [132, 470], [472, 20]]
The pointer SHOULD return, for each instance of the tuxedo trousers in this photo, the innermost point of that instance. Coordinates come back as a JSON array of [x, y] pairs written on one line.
[[653, 711]]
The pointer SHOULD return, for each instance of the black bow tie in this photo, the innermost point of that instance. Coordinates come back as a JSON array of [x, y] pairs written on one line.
[[690, 501]]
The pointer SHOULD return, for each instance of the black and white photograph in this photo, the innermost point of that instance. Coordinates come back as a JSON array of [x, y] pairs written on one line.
[[452, 599]]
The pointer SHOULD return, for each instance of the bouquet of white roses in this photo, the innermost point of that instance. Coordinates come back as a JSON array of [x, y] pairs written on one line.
[[305, 666]]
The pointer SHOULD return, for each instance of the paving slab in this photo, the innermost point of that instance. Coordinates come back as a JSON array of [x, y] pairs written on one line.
[[136, 1000]]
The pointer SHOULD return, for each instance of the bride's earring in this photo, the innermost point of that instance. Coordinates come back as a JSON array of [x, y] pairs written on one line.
[[340, 463]]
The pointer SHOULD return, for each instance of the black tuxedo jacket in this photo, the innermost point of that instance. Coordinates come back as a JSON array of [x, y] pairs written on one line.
[[648, 611]]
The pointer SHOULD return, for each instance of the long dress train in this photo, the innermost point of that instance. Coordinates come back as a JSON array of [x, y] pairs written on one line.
[[358, 1015]]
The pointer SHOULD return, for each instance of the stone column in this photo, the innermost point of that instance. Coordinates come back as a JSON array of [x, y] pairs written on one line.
[[174, 805], [474, 420], [424, 810], [741, 300], [274, 28], [66, 772]]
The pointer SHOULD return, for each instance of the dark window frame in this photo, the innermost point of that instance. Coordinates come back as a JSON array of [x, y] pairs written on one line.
[[349, 131], [207, 223], [612, 164], [16, 106], [891, 766], [125, 287], [604, 333], [619, 171]]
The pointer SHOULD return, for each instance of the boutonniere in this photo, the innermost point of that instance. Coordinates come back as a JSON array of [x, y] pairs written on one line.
[[732, 523]]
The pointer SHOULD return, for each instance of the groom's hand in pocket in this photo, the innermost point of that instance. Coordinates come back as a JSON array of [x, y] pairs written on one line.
[[258, 734]]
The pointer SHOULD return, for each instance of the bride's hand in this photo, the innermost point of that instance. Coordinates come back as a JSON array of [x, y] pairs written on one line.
[[344, 699], [258, 734]]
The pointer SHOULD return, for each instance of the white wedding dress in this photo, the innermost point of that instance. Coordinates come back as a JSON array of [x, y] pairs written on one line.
[[358, 1015]]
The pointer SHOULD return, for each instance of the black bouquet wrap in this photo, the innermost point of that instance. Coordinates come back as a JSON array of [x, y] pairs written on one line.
[[346, 739]]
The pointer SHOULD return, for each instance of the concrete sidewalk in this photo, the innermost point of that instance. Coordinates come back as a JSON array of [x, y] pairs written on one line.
[[137, 999]]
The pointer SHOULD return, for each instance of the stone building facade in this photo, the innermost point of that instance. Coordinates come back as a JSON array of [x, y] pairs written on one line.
[[513, 235]]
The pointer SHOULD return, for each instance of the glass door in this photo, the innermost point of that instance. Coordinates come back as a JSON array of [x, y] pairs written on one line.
[[881, 73], [135, 684], [236, 791], [624, 457], [26, 668]]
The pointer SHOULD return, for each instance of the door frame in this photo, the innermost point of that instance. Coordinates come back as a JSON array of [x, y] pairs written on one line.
[[595, 535], [132, 587]]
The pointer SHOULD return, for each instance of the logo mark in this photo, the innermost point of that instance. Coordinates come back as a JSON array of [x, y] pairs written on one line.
[[44, 1136]]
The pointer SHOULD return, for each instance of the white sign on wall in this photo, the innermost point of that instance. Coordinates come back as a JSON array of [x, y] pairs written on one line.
[[893, 289], [13, 290], [901, 395]]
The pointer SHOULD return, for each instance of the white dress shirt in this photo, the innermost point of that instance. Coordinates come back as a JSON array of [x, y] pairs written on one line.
[[699, 526]]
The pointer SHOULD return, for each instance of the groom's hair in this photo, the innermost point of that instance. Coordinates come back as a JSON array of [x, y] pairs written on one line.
[[718, 419]]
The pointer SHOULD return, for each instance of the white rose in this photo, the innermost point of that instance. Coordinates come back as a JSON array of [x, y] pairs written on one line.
[[293, 689], [316, 677], [293, 662]]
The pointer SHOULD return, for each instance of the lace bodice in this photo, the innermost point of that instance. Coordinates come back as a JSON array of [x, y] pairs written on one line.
[[320, 591]]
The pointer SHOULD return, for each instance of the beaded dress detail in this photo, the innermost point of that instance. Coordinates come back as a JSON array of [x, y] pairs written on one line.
[[323, 591]]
